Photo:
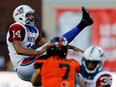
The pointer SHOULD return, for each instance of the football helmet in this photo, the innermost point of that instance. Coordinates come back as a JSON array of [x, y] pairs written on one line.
[[20, 13], [94, 55], [57, 46]]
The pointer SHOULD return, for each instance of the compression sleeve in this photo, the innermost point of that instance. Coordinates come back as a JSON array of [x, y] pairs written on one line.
[[70, 35]]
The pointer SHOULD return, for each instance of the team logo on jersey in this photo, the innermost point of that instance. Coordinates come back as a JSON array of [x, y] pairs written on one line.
[[31, 39]]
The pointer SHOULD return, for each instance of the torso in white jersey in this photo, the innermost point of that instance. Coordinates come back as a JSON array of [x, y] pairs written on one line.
[[27, 34], [98, 78]]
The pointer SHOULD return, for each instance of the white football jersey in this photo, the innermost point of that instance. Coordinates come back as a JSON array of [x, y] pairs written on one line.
[[29, 35]]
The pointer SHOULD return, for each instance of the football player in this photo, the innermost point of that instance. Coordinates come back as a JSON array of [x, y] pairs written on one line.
[[91, 68], [23, 35], [54, 69]]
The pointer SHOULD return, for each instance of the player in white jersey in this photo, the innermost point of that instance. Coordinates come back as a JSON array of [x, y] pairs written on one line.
[[91, 68], [23, 35]]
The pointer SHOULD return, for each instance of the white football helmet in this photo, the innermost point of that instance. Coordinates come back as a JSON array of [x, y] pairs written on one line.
[[20, 12], [95, 55]]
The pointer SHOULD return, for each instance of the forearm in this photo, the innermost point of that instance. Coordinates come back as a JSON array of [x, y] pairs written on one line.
[[20, 49], [71, 46], [42, 42], [80, 81], [75, 48], [27, 52], [36, 78]]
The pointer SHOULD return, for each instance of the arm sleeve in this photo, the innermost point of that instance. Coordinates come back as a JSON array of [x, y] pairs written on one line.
[[70, 35], [17, 33], [104, 80], [38, 39]]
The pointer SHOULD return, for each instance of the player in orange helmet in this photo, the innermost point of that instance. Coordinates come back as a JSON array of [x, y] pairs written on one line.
[[54, 69]]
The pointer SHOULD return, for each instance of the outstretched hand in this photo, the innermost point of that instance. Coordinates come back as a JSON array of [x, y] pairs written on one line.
[[43, 50]]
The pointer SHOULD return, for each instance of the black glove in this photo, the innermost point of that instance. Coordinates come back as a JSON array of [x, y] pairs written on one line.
[[86, 19]]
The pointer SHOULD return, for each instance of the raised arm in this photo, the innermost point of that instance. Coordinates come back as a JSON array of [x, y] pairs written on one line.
[[75, 48]]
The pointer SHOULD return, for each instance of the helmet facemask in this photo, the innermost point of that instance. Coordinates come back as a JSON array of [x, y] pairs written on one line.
[[93, 59], [91, 65], [29, 19]]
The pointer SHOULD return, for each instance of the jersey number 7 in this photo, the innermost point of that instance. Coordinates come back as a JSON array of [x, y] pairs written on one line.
[[67, 66]]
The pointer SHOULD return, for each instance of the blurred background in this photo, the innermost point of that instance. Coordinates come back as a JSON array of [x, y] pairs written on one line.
[[57, 17]]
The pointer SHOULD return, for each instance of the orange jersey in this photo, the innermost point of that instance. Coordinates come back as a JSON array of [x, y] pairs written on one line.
[[57, 72]]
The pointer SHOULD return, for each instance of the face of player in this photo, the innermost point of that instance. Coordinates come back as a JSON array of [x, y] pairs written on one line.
[[30, 17], [91, 64]]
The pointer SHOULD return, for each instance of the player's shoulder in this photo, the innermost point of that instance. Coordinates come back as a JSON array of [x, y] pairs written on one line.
[[75, 61], [16, 26], [103, 73], [103, 78]]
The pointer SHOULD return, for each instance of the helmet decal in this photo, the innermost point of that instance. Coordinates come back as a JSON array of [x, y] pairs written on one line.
[[92, 49], [20, 11], [57, 46]]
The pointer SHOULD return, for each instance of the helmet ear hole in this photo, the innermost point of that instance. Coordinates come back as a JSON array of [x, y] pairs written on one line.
[[20, 18]]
